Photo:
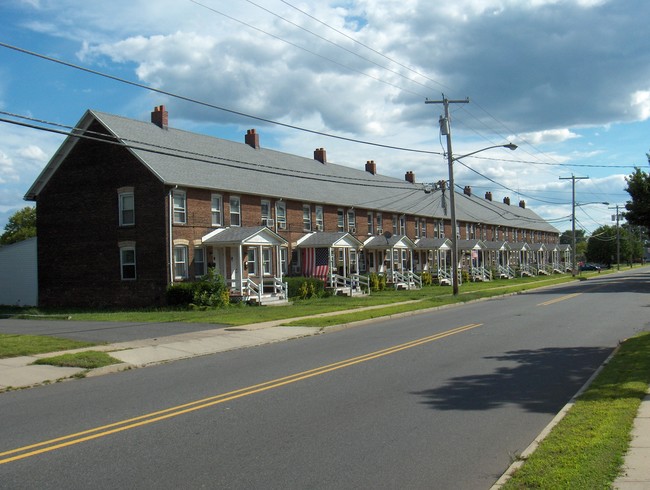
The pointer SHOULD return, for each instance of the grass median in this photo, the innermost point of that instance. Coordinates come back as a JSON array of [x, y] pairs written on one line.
[[586, 449]]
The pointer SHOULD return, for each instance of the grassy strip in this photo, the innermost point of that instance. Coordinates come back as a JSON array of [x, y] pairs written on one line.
[[242, 315], [471, 292], [86, 360], [13, 345], [587, 448]]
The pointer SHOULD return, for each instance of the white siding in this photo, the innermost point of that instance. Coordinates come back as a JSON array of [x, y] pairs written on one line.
[[19, 274]]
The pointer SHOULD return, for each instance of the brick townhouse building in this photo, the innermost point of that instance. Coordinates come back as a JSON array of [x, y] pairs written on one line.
[[127, 207]]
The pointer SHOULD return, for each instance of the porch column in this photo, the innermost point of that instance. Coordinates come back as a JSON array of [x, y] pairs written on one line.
[[239, 267]]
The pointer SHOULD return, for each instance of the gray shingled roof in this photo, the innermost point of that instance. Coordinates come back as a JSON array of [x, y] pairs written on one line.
[[193, 160], [329, 239]]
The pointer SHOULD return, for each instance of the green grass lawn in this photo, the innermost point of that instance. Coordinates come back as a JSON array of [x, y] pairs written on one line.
[[27, 345], [587, 447], [86, 360]]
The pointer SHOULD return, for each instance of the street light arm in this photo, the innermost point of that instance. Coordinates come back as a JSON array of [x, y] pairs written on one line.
[[509, 146]]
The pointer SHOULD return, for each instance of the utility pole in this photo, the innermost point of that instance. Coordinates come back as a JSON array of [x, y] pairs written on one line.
[[573, 179], [618, 240], [445, 129]]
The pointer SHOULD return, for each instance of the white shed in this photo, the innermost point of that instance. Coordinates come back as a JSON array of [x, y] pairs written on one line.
[[19, 274]]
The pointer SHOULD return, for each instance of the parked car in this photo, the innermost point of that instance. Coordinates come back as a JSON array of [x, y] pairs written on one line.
[[590, 267]]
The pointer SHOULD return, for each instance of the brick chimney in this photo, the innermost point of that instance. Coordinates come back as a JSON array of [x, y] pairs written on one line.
[[522, 204], [160, 117], [410, 177], [252, 139], [320, 154], [488, 195], [371, 167], [467, 191], [506, 200]]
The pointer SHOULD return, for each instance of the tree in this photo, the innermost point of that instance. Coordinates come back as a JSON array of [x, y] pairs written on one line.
[[21, 226], [567, 237], [601, 246], [638, 209]]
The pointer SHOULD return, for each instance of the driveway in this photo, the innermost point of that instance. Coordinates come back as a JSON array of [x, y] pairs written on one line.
[[109, 332]]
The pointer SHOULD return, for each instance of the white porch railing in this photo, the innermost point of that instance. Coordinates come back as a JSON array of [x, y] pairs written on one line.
[[357, 281], [506, 272], [272, 286], [480, 274], [408, 278]]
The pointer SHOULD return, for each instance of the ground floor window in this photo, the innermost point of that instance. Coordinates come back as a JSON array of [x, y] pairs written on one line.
[[199, 262], [127, 263], [180, 262]]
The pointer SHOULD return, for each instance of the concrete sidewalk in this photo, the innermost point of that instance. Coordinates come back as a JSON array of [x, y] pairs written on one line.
[[18, 372]]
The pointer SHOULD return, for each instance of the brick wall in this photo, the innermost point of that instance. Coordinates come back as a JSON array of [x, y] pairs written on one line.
[[78, 231]]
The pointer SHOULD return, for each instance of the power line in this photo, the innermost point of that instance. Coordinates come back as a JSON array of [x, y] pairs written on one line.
[[212, 106]]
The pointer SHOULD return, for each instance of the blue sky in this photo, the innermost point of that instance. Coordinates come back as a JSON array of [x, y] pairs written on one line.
[[568, 81]]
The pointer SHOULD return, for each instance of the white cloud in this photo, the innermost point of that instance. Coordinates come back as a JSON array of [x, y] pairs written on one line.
[[641, 104], [546, 136]]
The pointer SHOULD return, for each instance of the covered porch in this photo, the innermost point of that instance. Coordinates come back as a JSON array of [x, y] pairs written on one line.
[[472, 259], [252, 259], [392, 256], [498, 258], [333, 257], [432, 255], [520, 257]]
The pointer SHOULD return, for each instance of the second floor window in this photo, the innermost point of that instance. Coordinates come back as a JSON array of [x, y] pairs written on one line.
[[265, 211], [352, 221], [320, 225], [180, 206], [417, 227], [281, 214], [127, 208], [235, 211], [423, 227], [380, 224], [402, 225], [306, 217], [340, 220], [217, 210], [394, 224], [370, 224]]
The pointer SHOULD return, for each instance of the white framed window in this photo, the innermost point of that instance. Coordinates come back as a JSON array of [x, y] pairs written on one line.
[[217, 210], [267, 257], [394, 224], [417, 227], [180, 206], [199, 262], [251, 261], [306, 217], [235, 211], [320, 222], [126, 203], [371, 223], [127, 263], [340, 220], [380, 224], [265, 213], [281, 214], [180, 262], [402, 225], [352, 221], [283, 261]]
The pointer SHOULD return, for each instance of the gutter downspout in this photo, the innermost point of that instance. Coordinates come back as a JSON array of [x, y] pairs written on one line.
[[171, 238]]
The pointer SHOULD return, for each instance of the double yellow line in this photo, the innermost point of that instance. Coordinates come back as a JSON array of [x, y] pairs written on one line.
[[150, 418]]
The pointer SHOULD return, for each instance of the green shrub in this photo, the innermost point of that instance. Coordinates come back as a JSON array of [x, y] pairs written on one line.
[[210, 291], [464, 275], [427, 279], [305, 287]]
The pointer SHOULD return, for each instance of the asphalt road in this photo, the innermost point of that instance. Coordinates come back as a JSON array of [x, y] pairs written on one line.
[[442, 400]]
